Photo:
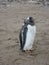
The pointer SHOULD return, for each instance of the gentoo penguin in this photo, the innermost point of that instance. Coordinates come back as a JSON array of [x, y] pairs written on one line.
[[27, 34]]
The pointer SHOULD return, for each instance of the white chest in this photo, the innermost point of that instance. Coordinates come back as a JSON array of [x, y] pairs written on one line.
[[30, 37]]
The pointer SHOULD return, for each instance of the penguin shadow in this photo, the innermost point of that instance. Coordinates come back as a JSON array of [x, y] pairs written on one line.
[[28, 52]]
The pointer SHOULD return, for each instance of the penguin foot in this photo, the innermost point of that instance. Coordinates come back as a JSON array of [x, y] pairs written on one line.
[[23, 50], [31, 50]]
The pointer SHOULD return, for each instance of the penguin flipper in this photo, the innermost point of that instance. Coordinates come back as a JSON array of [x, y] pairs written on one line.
[[20, 38], [24, 36]]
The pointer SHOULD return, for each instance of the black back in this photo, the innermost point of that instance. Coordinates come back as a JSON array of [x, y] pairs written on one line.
[[23, 32]]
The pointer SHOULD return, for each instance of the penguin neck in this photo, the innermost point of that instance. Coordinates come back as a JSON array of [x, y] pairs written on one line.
[[29, 23], [32, 24]]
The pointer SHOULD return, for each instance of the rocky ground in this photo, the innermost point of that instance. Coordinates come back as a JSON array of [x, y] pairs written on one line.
[[11, 20]]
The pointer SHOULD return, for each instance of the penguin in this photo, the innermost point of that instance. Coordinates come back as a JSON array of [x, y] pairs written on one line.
[[27, 34]]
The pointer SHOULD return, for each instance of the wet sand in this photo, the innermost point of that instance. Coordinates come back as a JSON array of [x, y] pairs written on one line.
[[11, 20]]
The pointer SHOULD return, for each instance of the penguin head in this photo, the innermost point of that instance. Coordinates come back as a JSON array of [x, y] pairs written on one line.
[[29, 20]]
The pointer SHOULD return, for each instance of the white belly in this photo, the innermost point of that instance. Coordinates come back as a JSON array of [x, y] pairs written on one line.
[[30, 37]]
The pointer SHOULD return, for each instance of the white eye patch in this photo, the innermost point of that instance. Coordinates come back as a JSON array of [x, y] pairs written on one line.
[[28, 18], [22, 24]]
